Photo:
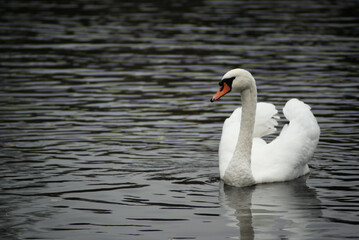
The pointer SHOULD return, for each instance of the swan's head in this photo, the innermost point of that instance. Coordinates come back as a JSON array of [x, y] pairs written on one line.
[[236, 80]]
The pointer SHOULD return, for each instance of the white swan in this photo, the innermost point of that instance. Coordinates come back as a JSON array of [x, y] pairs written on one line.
[[244, 158]]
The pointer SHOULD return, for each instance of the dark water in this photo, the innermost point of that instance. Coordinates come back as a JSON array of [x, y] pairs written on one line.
[[107, 131]]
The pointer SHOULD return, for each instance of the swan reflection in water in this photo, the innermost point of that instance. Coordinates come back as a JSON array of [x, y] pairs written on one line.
[[272, 211]]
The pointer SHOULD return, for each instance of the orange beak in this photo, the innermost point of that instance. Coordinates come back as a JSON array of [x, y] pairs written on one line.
[[221, 92]]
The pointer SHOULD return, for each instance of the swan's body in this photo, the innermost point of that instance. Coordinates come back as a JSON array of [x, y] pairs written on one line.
[[244, 158]]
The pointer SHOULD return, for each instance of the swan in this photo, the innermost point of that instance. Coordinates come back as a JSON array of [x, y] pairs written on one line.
[[245, 159]]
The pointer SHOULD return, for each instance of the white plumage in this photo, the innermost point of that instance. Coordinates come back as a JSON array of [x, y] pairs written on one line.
[[283, 159]]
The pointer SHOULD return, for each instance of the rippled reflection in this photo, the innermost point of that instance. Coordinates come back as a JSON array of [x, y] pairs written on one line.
[[272, 211]]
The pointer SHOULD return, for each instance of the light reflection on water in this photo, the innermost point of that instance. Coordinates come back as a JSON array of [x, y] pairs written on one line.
[[107, 131]]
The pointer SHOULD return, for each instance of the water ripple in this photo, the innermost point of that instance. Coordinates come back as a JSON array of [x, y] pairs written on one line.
[[107, 131]]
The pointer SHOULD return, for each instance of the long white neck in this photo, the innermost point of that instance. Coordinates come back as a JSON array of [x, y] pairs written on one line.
[[245, 138], [238, 172]]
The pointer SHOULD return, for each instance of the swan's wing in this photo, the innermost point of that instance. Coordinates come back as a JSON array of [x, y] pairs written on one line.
[[265, 123], [266, 119], [286, 157]]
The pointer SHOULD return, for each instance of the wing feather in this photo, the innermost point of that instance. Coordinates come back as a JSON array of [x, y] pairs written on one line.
[[286, 157]]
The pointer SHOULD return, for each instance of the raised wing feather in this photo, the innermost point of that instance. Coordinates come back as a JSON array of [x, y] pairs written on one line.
[[286, 156]]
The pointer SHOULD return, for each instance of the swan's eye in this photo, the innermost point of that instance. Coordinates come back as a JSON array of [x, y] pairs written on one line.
[[229, 82]]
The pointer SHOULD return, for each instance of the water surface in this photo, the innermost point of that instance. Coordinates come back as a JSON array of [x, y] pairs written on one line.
[[107, 131]]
